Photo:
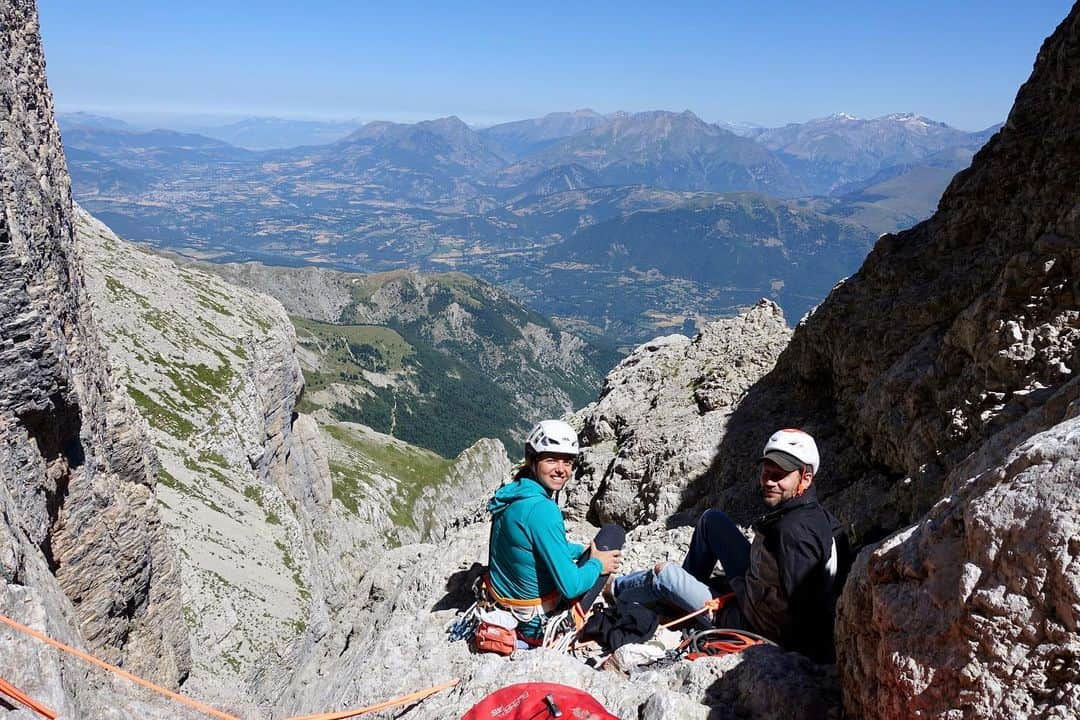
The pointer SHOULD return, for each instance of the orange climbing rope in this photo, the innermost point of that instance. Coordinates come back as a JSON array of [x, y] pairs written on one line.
[[22, 698], [725, 641], [212, 712], [201, 707], [403, 700], [715, 604]]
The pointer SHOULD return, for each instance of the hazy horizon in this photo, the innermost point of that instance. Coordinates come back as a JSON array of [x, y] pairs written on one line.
[[770, 64], [187, 120]]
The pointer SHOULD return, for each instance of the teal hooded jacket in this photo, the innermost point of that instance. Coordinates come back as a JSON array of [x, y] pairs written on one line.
[[528, 555]]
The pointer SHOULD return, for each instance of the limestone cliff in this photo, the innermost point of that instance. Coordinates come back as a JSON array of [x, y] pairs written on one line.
[[83, 553], [212, 370]]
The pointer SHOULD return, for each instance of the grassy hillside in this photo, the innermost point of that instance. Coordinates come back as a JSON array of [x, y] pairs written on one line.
[[399, 384]]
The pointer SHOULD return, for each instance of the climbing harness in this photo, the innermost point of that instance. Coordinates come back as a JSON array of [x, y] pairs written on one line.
[[560, 628], [523, 610], [201, 707]]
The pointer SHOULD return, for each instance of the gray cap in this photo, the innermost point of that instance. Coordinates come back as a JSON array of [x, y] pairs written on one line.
[[784, 460]]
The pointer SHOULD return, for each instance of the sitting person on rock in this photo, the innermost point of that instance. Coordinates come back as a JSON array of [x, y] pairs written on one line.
[[533, 571], [786, 583]]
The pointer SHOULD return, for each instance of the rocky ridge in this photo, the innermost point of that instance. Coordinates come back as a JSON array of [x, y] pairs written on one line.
[[392, 641], [275, 513], [661, 412]]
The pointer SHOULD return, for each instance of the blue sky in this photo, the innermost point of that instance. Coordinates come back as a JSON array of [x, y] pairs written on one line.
[[766, 62]]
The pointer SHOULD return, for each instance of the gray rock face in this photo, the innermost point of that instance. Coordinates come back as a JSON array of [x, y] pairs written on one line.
[[661, 413], [83, 554], [211, 368], [975, 611]]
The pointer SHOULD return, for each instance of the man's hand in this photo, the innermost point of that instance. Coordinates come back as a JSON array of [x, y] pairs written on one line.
[[610, 560]]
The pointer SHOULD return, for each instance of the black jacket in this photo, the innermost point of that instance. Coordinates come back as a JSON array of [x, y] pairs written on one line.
[[798, 559]]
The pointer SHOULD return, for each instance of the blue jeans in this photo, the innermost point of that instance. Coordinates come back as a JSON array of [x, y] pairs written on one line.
[[716, 539]]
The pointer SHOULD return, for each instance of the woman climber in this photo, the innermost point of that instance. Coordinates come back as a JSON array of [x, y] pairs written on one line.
[[534, 572]]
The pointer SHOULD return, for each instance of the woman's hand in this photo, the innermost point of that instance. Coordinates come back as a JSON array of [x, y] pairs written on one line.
[[610, 560]]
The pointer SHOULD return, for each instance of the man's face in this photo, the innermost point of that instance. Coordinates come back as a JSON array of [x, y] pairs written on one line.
[[553, 470], [778, 484]]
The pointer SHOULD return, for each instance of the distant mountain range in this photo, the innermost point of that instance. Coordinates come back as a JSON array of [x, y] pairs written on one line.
[[830, 152], [676, 151], [642, 200], [277, 133], [515, 140], [254, 133]]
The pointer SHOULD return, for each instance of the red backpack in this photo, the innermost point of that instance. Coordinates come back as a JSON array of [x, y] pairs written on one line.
[[538, 701]]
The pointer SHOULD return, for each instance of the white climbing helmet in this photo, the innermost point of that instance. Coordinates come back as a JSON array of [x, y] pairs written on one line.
[[552, 436], [791, 449]]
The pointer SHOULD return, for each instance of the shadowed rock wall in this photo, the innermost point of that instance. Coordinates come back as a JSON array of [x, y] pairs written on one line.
[[949, 333]]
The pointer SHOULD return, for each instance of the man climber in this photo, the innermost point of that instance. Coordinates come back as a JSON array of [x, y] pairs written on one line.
[[785, 583]]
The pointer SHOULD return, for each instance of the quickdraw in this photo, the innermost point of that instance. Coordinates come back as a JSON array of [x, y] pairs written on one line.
[[465, 626]]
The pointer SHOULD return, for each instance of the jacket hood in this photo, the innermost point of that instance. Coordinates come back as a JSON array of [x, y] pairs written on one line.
[[519, 489]]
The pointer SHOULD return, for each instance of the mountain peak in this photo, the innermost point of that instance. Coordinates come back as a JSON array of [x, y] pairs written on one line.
[[450, 122], [906, 117]]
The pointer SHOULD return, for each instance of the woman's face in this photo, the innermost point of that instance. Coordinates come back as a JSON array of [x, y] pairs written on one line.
[[554, 470]]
